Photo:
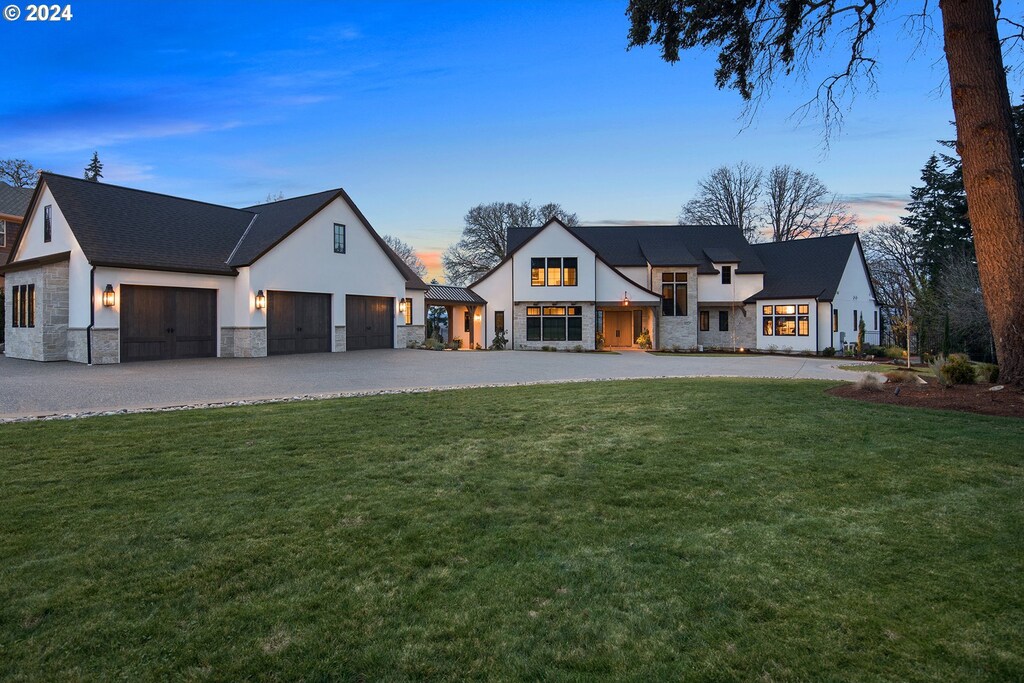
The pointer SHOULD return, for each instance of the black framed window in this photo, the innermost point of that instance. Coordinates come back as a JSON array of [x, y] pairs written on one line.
[[835, 320], [570, 268], [554, 272], [876, 321], [705, 320], [673, 294], [554, 323], [469, 321], [537, 272], [47, 222], [855, 319], [726, 275], [339, 238], [3, 233], [786, 320], [499, 321], [723, 321], [408, 311], [23, 306], [599, 321]]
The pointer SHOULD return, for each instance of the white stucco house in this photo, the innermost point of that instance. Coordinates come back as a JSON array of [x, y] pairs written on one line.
[[105, 274], [686, 286]]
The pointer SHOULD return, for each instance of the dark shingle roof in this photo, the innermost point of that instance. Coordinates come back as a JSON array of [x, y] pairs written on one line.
[[660, 245], [14, 200], [119, 226], [449, 295], [804, 268]]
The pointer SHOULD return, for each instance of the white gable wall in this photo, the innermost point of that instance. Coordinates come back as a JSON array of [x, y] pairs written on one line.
[[611, 287], [743, 286], [554, 241], [496, 290], [854, 294]]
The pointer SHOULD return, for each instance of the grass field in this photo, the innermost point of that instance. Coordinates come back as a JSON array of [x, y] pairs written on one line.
[[644, 530]]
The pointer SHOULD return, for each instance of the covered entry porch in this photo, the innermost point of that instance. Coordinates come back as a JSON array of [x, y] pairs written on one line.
[[622, 324], [465, 312]]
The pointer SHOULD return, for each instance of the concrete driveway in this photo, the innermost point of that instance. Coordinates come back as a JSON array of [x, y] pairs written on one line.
[[28, 388]]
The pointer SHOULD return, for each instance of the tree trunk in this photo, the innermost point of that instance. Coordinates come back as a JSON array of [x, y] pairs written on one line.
[[992, 174]]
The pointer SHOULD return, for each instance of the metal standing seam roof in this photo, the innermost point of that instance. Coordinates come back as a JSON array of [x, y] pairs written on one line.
[[450, 294]]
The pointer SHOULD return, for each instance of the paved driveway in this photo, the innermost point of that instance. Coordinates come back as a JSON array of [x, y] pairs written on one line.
[[31, 388]]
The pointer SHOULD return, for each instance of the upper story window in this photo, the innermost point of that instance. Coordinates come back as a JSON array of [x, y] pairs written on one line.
[[673, 294], [876, 321], [726, 275], [855, 319], [835, 320], [47, 222], [339, 238], [23, 308], [3, 233], [554, 272]]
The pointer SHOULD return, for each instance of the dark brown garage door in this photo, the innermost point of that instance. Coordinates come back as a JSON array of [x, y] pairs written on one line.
[[298, 322], [369, 322], [167, 322]]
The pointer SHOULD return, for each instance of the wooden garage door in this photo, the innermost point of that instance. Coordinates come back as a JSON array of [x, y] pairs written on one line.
[[369, 322], [158, 323], [298, 322]]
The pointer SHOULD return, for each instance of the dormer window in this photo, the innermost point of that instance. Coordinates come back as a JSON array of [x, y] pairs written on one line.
[[47, 222], [726, 275], [339, 238]]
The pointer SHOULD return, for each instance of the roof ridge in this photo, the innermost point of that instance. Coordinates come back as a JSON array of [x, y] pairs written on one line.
[[149, 192], [804, 239], [289, 199]]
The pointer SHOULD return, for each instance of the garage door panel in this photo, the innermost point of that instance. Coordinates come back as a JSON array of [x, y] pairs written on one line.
[[160, 323], [369, 323], [298, 322]]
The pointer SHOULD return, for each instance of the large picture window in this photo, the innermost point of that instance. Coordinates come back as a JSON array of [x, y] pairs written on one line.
[[673, 294], [554, 323], [23, 307], [554, 272], [786, 320]]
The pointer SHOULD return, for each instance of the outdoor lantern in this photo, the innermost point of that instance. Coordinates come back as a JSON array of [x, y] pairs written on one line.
[[261, 300], [108, 296], [401, 306], [625, 299]]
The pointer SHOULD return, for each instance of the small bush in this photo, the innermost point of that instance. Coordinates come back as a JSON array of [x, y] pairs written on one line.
[[987, 372], [599, 341], [936, 369], [958, 369], [454, 345], [578, 348], [868, 381], [412, 344], [500, 341], [644, 340], [433, 344], [895, 352], [927, 358], [547, 347], [828, 351], [897, 377]]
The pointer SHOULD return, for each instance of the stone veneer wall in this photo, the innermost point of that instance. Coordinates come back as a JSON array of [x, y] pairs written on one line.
[[243, 342], [519, 328], [78, 345], [340, 340], [742, 329], [106, 345], [680, 330], [48, 340], [411, 333]]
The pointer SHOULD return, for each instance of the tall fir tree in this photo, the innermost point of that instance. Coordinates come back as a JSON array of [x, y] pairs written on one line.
[[94, 171]]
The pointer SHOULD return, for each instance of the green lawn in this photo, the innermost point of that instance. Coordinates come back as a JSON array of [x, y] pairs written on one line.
[[648, 530]]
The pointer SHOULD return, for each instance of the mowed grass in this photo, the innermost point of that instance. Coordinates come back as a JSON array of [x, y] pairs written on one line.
[[646, 530]]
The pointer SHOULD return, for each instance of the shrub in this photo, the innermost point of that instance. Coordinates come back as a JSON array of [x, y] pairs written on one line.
[[547, 347], [868, 381], [433, 344], [828, 351], [936, 369], [500, 341], [899, 377], [454, 345], [676, 348], [927, 358], [773, 348], [599, 341], [895, 352], [412, 344], [987, 372], [958, 369], [644, 340], [578, 348]]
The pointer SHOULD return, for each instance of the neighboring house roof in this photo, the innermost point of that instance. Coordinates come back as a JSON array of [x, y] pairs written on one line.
[[453, 295], [805, 268], [125, 227], [14, 200], [661, 245]]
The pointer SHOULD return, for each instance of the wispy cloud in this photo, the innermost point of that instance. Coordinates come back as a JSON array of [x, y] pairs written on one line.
[[875, 208]]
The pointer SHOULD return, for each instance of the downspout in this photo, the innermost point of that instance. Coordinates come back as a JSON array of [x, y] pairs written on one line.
[[92, 315], [817, 337], [831, 326], [512, 300]]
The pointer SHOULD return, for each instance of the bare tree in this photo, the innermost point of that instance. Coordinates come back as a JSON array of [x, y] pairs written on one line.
[[484, 236], [960, 291], [407, 254], [798, 205], [18, 172], [900, 281], [727, 196]]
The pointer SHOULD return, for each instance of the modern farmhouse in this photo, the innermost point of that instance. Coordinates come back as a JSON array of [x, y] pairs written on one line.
[[104, 274], [685, 286]]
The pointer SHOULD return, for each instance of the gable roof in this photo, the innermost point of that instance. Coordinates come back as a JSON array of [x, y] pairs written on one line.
[[124, 227], [14, 200], [809, 267], [660, 245]]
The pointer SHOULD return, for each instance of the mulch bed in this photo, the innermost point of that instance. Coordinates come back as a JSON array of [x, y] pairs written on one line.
[[1009, 402]]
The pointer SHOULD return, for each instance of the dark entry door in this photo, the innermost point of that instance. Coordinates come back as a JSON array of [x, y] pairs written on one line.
[[158, 323], [298, 322], [369, 322], [618, 329]]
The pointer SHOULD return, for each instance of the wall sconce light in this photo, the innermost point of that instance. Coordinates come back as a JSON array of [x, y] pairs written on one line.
[[261, 300], [108, 296], [477, 317], [402, 306], [625, 299]]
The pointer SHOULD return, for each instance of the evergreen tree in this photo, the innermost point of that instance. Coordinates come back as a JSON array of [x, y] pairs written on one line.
[[94, 171], [937, 216]]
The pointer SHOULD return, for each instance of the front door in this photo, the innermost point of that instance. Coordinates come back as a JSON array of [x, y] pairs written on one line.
[[618, 329]]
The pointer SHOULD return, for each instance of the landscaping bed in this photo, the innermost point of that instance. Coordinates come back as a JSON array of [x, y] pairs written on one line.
[[971, 398]]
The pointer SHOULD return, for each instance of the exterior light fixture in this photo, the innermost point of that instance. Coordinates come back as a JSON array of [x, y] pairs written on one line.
[[108, 296], [261, 300], [477, 317], [625, 299], [401, 306]]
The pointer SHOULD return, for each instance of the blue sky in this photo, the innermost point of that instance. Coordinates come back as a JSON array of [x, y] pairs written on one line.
[[424, 109]]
